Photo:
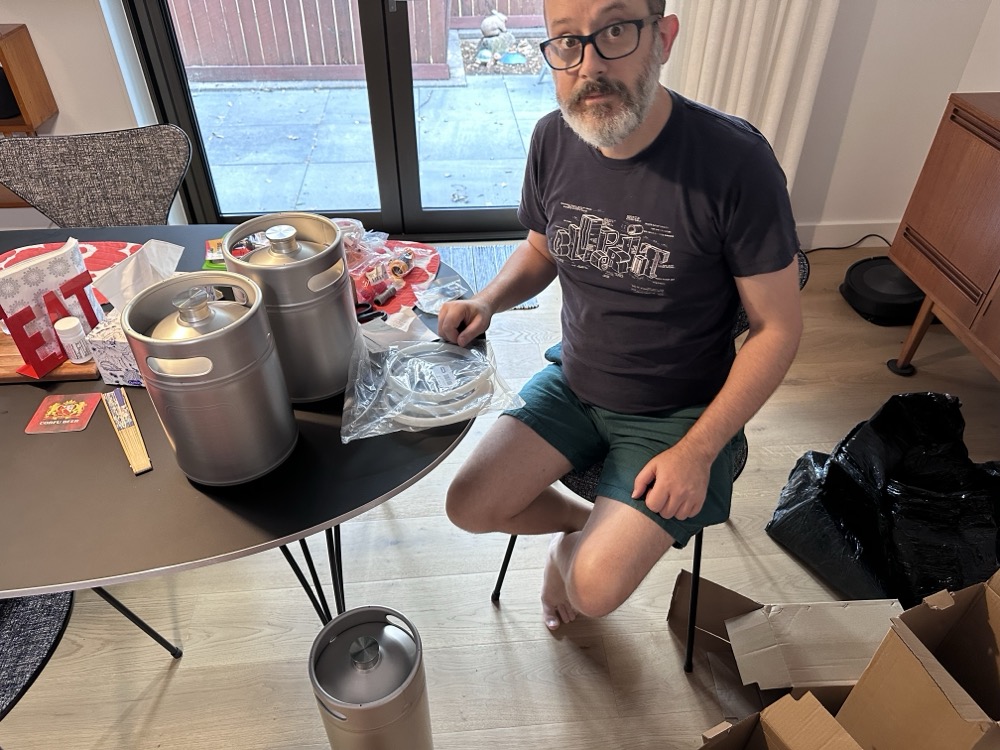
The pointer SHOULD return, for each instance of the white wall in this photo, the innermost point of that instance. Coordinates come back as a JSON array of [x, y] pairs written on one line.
[[885, 85], [75, 48], [891, 66], [983, 71]]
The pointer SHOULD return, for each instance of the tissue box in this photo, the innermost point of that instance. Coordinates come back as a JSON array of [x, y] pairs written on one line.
[[112, 353]]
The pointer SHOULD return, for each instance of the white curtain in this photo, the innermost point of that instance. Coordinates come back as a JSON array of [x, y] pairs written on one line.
[[758, 59]]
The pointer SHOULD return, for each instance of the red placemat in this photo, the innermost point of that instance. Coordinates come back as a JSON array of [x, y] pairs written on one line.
[[97, 256]]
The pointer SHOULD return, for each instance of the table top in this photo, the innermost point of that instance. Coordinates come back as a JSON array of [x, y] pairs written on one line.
[[72, 514]]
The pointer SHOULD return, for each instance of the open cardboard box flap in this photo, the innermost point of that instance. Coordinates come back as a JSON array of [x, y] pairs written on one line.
[[935, 680], [784, 645], [787, 724], [807, 645], [716, 604]]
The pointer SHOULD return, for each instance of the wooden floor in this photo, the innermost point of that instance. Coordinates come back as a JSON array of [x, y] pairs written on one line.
[[496, 677]]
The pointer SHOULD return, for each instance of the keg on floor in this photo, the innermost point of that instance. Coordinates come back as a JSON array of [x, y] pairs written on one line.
[[367, 671], [204, 346], [302, 269]]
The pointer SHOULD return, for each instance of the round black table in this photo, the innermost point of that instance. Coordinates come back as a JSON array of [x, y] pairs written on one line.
[[74, 516]]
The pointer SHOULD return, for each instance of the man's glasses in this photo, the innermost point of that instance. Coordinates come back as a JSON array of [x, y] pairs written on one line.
[[611, 42]]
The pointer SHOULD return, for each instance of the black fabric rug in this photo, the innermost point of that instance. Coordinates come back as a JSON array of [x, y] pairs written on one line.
[[478, 264], [30, 629]]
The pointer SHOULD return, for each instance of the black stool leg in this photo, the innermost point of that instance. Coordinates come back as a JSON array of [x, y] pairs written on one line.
[[132, 617], [495, 596], [693, 612]]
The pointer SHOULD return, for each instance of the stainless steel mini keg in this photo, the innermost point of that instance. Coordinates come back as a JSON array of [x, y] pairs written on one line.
[[367, 671], [302, 271], [204, 346]]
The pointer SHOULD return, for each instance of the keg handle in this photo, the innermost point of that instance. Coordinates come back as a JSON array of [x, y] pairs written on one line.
[[327, 278], [235, 293], [184, 367]]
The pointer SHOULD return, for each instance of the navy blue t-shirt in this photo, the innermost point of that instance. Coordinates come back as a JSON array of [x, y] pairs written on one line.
[[647, 248]]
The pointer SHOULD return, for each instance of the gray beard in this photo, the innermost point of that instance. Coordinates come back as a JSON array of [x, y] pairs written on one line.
[[607, 125]]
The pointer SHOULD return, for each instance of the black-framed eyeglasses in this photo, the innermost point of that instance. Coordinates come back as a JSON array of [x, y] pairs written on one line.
[[614, 41]]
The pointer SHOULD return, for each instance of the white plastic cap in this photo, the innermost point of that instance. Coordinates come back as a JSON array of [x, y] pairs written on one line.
[[70, 327]]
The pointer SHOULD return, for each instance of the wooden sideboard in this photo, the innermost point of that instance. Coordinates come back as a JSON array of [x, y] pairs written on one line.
[[949, 240], [30, 88]]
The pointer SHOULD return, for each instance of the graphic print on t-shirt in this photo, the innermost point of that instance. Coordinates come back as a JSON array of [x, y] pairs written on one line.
[[631, 249]]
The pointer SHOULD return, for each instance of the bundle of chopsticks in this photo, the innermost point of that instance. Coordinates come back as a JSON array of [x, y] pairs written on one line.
[[123, 420]]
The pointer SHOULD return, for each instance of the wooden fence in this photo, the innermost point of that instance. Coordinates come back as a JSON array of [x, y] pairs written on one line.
[[468, 14], [270, 40]]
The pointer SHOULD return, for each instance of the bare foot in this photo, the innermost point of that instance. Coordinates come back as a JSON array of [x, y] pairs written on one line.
[[556, 608]]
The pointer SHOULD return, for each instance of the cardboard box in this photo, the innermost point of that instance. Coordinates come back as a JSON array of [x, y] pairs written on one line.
[[809, 645], [781, 646], [112, 353], [934, 683], [787, 724]]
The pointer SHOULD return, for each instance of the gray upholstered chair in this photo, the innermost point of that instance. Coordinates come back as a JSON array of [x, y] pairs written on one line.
[[116, 178], [30, 629], [584, 483]]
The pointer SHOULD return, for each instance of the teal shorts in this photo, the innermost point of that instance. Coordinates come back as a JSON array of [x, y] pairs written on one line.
[[586, 434]]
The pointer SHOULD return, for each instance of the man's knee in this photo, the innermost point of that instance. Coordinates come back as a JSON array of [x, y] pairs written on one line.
[[464, 506], [592, 587]]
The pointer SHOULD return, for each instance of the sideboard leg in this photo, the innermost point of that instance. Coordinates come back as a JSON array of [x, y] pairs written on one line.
[[901, 365]]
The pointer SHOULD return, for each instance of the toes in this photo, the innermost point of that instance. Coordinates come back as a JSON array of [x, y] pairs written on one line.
[[552, 617]]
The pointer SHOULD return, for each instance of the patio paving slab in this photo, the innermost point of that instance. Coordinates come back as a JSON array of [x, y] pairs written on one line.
[[260, 144], [308, 145], [258, 188], [464, 183], [351, 186]]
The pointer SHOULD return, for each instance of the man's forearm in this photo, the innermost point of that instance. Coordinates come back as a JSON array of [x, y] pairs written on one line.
[[526, 273]]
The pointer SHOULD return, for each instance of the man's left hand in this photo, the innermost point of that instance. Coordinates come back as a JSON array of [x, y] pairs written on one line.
[[675, 483]]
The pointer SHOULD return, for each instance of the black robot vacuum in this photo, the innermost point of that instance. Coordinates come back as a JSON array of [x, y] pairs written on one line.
[[880, 293]]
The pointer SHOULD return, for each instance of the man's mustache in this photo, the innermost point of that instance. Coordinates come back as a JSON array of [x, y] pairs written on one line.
[[598, 87]]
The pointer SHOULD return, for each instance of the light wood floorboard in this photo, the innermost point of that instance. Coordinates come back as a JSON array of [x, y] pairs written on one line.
[[496, 678]]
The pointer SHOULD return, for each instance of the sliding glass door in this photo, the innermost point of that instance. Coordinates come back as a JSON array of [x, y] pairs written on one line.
[[411, 116]]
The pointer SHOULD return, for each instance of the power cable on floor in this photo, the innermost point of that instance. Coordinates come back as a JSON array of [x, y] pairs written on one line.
[[847, 247]]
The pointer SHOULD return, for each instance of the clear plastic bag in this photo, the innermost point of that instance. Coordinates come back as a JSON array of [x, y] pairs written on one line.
[[444, 288], [416, 385], [378, 264]]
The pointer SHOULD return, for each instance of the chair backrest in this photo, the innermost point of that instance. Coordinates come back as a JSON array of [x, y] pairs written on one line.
[[116, 178]]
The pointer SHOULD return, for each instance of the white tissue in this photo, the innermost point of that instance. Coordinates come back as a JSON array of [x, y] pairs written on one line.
[[153, 262]]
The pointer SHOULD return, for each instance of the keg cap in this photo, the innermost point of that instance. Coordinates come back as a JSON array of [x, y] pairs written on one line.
[[366, 663], [198, 311], [284, 247]]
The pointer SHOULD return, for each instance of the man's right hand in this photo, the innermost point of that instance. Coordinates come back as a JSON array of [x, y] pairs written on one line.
[[460, 321]]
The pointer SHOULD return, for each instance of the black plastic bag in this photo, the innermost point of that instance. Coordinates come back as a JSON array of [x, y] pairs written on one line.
[[940, 539], [827, 523], [914, 513], [919, 433]]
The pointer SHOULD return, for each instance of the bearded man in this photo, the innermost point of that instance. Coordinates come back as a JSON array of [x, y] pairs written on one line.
[[658, 216]]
